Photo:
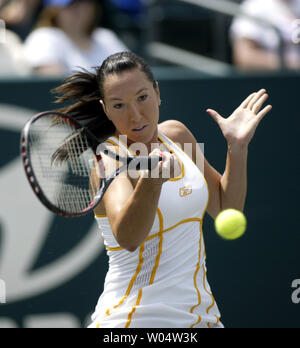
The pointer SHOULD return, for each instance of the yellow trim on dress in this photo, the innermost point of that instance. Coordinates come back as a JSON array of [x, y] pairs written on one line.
[[161, 226], [138, 269], [101, 215], [160, 235], [113, 248], [112, 142], [178, 159], [197, 168], [160, 232], [195, 280], [133, 308], [211, 295]]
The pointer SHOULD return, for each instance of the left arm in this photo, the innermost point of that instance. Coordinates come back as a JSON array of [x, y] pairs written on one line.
[[238, 130], [229, 189], [233, 183]]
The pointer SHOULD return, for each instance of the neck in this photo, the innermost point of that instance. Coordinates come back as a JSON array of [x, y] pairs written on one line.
[[149, 144]]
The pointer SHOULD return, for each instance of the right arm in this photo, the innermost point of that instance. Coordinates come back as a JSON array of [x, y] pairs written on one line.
[[131, 210]]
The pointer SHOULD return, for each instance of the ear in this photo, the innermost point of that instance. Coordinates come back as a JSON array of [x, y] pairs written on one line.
[[104, 107], [157, 91]]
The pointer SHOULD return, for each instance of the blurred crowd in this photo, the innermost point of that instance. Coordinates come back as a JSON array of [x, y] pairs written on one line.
[[256, 45], [54, 37]]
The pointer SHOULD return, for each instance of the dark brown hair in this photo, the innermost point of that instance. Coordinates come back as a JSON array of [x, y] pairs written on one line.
[[84, 90]]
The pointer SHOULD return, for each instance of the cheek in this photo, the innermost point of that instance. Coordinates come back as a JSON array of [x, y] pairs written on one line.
[[116, 119], [119, 120], [154, 111], [152, 106]]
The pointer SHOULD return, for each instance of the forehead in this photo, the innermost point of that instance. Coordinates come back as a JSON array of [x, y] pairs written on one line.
[[125, 83]]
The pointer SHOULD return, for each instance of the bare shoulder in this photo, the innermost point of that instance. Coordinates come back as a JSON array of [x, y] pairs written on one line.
[[176, 131]]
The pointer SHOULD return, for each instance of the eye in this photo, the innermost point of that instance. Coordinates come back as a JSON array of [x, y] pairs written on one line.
[[118, 106], [143, 97]]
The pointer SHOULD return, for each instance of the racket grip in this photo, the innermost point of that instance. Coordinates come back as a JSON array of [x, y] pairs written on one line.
[[145, 162]]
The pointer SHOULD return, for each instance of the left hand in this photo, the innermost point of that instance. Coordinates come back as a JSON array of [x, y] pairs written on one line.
[[239, 128]]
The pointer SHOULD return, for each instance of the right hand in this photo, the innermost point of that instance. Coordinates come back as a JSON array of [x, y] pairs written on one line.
[[166, 169]]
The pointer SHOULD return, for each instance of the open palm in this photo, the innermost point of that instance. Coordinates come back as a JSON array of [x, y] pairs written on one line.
[[240, 126]]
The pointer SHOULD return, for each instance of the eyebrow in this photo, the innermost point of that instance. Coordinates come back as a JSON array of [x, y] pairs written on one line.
[[141, 90]]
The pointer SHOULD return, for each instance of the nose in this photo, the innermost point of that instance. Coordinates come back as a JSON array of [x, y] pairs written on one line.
[[134, 113]]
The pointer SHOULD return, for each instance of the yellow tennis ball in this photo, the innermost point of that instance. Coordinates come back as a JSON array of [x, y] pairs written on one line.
[[230, 224]]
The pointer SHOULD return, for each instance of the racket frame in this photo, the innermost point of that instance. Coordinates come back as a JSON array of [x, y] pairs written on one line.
[[27, 164], [93, 141]]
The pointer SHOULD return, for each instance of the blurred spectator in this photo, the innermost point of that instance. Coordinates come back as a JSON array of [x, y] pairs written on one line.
[[12, 61], [20, 15], [67, 36], [130, 19], [255, 45]]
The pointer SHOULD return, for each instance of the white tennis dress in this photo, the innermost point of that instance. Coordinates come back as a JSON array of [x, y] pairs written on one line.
[[163, 283]]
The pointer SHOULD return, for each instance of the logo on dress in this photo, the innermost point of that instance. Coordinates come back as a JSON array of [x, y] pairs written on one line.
[[185, 190]]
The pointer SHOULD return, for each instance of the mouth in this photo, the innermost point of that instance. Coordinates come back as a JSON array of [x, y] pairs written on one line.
[[139, 129]]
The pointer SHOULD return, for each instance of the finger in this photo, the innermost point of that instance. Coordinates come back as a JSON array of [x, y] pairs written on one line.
[[165, 155], [258, 105], [217, 117], [264, 111], [155, 152], [247, 100], [256, 98], [174, 166], [166, 166]]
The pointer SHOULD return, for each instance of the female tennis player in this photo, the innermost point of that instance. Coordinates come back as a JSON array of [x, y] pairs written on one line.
[[152, 226]]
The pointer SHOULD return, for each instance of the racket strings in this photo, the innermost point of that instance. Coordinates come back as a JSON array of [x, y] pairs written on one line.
[[62, 162]]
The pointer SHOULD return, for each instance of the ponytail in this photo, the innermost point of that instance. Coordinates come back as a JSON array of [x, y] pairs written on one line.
[[83, 91]]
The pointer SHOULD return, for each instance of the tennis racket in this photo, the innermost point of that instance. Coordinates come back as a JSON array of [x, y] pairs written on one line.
[[67, 167]]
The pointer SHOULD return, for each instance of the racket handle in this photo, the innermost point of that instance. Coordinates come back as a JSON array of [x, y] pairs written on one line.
[[139, 162], [144, 162]]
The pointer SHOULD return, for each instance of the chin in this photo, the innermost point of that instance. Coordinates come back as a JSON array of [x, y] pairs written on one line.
[[145, 137]]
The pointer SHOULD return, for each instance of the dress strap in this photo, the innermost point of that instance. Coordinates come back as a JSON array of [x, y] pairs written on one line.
[[117, 142]]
